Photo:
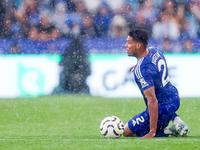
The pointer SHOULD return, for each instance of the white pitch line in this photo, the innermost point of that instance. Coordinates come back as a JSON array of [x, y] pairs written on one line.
[[96, 140]]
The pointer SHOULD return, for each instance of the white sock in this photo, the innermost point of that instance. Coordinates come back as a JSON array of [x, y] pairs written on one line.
[[167, 131], [177, 120]]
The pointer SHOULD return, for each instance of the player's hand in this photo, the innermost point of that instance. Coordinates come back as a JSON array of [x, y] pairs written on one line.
[[132, 68], [149, 135]]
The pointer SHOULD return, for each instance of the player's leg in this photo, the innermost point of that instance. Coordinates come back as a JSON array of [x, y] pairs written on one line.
[[166, 113], [127, 132], [172, 129], [180, 128], [138, 126]]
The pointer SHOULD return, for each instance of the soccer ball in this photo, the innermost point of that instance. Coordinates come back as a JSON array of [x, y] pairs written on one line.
[[111, 127]]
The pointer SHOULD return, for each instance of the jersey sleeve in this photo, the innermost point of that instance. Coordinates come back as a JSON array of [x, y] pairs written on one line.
[[146, 79]]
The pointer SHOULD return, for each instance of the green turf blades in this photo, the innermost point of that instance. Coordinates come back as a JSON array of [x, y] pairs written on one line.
[[72, 122]]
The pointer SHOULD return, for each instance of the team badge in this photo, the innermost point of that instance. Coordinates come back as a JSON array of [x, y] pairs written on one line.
[[143, 83]]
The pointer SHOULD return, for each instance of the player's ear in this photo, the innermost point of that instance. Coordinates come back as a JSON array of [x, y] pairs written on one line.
[[138, 45]]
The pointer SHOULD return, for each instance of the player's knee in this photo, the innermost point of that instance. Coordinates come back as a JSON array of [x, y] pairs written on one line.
[[127, 132]]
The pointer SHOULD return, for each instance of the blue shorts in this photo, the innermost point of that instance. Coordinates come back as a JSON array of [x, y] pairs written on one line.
[[140, 124]]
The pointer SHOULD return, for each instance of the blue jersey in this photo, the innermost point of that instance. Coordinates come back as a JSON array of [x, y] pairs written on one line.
[[152, 71]]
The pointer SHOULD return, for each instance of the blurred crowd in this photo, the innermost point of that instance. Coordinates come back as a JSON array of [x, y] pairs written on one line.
[[166, 21]]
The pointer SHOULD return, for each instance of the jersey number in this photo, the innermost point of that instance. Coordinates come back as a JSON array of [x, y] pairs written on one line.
[[138, 120], [161, 62]]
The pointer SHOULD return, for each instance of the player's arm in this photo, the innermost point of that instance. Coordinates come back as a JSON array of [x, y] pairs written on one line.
[[132, 68], [153, 111]]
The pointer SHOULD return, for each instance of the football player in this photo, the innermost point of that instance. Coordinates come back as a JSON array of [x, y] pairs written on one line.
[[160, 96]]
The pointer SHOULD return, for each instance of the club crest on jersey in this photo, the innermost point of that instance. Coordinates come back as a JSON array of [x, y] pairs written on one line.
[[143, 82]]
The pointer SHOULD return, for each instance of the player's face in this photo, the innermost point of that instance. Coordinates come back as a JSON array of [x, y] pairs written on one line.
[[131, 47]]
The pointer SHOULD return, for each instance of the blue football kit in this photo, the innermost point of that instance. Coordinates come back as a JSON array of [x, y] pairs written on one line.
[[150, 71]]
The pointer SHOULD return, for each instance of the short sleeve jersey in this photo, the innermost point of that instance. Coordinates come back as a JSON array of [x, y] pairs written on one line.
[[152, 71]]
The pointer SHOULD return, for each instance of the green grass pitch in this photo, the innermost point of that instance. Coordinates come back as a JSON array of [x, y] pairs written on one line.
[[71, 122]]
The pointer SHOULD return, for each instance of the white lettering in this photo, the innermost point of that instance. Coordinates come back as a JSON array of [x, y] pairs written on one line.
[[134, 122], [155, 58]]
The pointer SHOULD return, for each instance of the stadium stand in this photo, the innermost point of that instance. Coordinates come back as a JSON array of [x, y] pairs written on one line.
[[106, 22]]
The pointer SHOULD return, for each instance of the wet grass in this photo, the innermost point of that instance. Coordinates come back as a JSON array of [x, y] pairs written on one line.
[[72, 122]]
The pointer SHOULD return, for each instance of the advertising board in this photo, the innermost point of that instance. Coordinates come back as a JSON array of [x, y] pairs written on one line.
[[111, 77], [28, 75]]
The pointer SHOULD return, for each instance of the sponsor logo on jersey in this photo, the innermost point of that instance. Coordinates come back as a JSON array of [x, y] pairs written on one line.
[[143, 82]]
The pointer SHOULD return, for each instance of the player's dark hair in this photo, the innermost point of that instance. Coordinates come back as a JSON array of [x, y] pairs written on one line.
[[140, 36]]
